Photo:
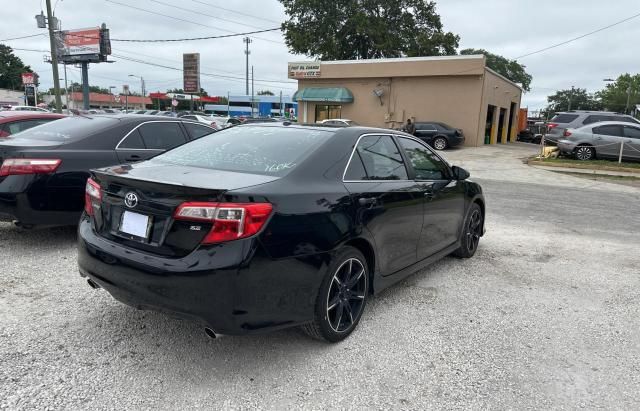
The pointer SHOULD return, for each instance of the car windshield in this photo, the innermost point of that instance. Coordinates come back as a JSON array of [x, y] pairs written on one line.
[[70, 128], [252, 149]]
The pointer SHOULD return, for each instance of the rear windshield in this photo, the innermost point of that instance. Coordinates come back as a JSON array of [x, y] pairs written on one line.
[[250, 149], [67, 129], [564, 118]]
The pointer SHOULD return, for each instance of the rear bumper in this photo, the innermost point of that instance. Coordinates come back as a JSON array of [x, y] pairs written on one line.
[[232, 288], [24, 198], [456, 141], [566, 147]]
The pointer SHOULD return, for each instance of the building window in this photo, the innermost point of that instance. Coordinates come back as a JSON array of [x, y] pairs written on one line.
[[324, 112]]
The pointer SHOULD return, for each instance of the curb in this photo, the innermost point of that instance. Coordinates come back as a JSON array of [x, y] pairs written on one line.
[[588, 171], [613, 170]]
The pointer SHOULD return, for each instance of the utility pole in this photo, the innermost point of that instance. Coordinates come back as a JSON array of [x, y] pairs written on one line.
[[85, 85], [570, 97], [66, 87], [252, 99], [54, 57], [247, 40], [626, 109]]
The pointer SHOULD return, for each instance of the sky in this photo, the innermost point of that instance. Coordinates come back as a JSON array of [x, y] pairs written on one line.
[[510, 28]]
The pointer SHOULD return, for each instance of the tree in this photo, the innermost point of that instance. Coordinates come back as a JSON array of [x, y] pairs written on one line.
[[11, 69], [265, 93], [614, 96], [364, 29], [511, 69], [580, 100]]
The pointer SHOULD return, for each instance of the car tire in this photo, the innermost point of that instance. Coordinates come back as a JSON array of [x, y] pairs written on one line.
[[585, 153], [471, 232], [440, 143], [341, 298]]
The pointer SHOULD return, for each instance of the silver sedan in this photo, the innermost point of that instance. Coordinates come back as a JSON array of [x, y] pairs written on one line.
[[602, 140]]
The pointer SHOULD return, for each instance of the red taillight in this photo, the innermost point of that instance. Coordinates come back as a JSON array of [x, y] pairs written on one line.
[[92, 196], [19, 166], [213, 124], [552, 125], [566, 133], [231, 221]]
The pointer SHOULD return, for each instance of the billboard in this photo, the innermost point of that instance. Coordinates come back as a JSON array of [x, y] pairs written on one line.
[[29, 79], [310, 69], [91, 44], [191, 72]]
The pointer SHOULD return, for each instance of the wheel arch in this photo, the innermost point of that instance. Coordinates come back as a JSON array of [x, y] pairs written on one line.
[[367, 249]]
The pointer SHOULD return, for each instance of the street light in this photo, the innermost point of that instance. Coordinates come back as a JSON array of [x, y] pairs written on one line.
[[142, 90]]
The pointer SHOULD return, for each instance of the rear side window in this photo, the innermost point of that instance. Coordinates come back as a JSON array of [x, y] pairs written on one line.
[[564, 118], [197, 130], [609, 130], [597, 118], [632, 132], [19, 126], [161, 135], [133, 141], [252, 149], [380, 158], [626, 119]]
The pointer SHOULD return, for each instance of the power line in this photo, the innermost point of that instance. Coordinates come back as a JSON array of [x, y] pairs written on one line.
[[205, 14], [181, 19], [181, 39], [579, 37], [23, 37], [39, 51], [236, 12]]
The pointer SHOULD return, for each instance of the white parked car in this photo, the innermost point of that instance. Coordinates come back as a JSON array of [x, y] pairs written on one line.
[[342, 122], [29, 108], [217, 122]]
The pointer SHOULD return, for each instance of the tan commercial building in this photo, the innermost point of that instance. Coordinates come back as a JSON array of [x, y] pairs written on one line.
[[458, 90]]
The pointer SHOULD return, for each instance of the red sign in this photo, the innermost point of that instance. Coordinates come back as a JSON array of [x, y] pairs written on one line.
[[29, 79], [83, 41]]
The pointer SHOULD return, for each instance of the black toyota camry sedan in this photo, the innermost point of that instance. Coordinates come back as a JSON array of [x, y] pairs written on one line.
[[44, 169], [261, 227]]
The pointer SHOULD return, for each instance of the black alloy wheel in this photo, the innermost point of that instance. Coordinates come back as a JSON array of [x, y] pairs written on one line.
[[585, 153], [342, 297], [440, 143], [472, 231]]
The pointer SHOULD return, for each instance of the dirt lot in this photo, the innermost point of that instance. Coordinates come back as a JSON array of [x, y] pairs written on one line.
[[545, 316]]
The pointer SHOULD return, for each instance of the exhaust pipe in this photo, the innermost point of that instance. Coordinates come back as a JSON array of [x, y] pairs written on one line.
[[92, 284], [212, 334]]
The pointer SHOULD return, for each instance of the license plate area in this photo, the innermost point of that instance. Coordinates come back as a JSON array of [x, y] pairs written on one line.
[[135, 226]]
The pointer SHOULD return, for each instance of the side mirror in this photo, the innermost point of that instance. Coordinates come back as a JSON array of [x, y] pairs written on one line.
[[460, 173]]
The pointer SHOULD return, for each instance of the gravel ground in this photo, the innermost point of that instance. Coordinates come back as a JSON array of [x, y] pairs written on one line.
[[544, 316]]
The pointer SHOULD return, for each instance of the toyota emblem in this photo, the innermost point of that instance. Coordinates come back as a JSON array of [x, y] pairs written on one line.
[[130, 200]]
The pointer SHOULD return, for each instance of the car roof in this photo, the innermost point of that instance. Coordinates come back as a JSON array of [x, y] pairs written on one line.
[[12, 115]]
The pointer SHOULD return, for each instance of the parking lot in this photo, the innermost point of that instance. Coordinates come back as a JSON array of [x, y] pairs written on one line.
[[544, 316]]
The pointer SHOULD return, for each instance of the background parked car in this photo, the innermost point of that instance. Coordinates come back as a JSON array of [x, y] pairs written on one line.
[[602, 140], [341, 122], [577, 118], [251, 120], [44, 169], [438, 135], [12, 122], [28, 108], [212, 121]]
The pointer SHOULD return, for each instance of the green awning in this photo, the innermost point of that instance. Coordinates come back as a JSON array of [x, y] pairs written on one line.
[[328, 94]]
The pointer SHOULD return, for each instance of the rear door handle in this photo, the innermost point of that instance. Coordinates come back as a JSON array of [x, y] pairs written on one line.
[[597, 138], [367, 201], [133, 157]]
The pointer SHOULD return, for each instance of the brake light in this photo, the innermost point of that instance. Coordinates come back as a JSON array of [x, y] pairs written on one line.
[[213, 124], [552, 125], [21, 166], [566, 133], [231, 221], [92, 196]]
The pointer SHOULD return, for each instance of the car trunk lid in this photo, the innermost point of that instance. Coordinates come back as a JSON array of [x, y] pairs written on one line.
[[139, 201]]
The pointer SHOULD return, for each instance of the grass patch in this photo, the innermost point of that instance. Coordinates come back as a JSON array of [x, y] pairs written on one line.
[[593, 164]]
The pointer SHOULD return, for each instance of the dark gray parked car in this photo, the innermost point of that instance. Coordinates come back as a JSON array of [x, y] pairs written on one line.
[[576, 119], [438, 135], [602, 140]]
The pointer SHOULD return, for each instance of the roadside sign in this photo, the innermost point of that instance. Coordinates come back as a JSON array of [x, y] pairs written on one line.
[[116, 98], [29, 79], [125, 89], [309, 69], [191, 72], [174, 103]]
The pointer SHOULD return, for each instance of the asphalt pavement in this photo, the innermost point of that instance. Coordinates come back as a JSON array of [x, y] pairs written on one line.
[[544, 316]]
